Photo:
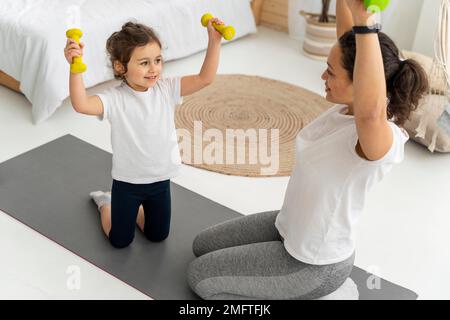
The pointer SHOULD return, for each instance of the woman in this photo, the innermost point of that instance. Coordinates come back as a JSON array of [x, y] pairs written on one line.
[[307, 250]]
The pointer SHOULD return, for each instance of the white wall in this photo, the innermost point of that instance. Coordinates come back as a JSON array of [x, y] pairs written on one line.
[[427, 28], [400, 21]]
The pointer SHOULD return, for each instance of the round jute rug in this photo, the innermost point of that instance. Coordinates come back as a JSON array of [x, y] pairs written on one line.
[[245, 125]]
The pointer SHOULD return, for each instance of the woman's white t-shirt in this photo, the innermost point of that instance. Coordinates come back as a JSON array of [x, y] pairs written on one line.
[[326, 192], [143, 134]]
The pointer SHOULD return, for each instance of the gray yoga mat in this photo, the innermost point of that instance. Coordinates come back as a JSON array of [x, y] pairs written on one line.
[[48, 190]]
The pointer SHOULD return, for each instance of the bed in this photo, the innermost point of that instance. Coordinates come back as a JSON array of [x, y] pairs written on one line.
[[32, 38]]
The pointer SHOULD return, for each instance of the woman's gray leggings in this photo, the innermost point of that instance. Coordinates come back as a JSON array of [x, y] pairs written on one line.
[[245, 258]]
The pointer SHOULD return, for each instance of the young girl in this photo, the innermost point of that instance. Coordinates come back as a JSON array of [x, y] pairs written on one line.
[[307, 249], [143, 136]]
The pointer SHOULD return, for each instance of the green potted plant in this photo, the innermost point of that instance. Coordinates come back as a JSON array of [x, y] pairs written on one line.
[[320, 33]]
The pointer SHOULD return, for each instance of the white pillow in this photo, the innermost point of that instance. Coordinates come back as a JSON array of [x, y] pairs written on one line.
[[423, 124]]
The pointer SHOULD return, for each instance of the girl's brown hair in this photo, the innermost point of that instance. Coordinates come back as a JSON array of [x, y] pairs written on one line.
[[120, 44], [406, 81]]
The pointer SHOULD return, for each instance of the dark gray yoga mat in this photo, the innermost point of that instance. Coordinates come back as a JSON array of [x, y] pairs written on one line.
[[48, 190]]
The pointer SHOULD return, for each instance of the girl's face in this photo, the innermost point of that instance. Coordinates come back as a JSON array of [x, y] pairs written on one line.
[[339, 87], [144, 67]]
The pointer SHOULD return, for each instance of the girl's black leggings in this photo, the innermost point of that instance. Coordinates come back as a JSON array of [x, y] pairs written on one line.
[[125, 201]]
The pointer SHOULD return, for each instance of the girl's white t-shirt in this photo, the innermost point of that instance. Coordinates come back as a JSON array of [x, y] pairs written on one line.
[[327, 189], [143, 134]]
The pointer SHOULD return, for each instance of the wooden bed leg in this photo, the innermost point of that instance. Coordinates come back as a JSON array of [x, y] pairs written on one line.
[[257, 6], [9, 82]]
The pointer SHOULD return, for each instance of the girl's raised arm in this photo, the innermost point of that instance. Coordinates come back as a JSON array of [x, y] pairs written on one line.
[[80, 101], [194, 83]]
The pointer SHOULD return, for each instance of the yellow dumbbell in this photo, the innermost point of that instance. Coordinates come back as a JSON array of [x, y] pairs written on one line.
[[77, 65], [227, 32]]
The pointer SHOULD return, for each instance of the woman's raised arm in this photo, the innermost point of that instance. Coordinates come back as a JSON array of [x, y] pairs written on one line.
[[344, 18]]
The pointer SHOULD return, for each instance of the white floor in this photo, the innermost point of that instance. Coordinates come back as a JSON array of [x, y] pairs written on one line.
[[403, 236]]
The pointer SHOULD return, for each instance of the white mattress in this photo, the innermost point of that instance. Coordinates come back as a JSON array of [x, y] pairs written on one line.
[[32, 38]]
